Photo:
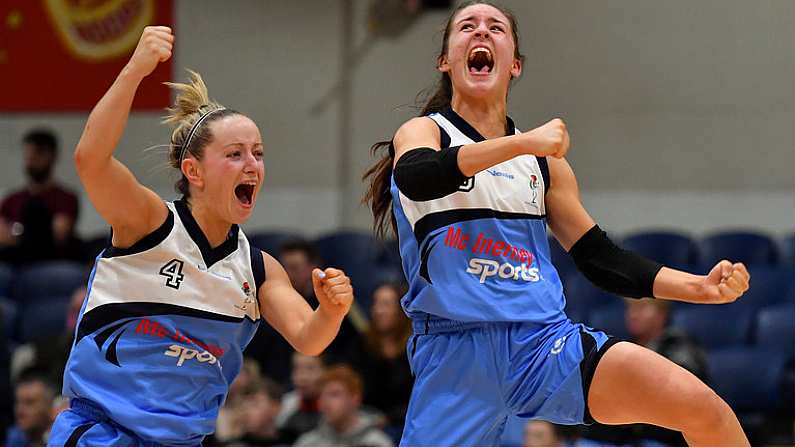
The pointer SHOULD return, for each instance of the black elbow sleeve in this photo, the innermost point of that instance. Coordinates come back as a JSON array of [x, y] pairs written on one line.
[[426, 174], [612, 268]]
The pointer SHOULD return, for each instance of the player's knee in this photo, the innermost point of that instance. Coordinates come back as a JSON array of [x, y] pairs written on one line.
[[708, 413]]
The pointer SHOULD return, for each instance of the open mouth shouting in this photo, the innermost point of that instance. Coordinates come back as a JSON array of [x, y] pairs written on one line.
[[245, 193], [480, 61]]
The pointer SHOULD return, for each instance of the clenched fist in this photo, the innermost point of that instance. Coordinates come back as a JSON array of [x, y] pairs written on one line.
[[551, 139], [333, 290], [155, 46], [725, 283]]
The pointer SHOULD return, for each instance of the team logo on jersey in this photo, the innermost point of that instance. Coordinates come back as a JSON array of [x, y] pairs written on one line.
[[468, 185], [533, 182], [249, 297], [487, 268], [182, 354], [557, 347], [533, 191], [496, 173]]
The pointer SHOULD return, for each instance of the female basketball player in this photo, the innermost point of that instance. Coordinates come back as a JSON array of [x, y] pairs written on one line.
[[177, 296], [471, 198]]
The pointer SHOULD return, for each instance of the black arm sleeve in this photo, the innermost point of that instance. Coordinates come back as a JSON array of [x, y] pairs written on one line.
[[426, 174], [612, 268]]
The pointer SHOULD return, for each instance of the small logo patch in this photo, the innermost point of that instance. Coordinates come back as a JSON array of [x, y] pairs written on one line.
[[557, 347]]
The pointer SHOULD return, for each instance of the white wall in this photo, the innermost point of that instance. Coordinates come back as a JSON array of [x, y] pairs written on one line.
[[680, 111]]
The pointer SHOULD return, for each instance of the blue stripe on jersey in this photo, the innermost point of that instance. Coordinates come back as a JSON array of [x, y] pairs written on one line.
[[478, 266], [172, 355]]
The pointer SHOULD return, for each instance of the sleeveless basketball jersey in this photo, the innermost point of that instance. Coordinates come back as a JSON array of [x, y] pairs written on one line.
[[162, 329], [480, 253]]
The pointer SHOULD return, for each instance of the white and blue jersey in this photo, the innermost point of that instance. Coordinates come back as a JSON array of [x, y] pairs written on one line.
[[161, 334], [490, 335], [481, 253]]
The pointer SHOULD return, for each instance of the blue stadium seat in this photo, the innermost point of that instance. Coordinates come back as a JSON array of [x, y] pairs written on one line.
[[6, 279], [366, 280], [8, 314], [42, 320], [768, 286], [345, 248], [748, 379], [714, 326], [670, 248], [788, 250], [752, 249], [390, 254], [583, 298], [775, 328], [271, 241], [46, 280], [610, 319]]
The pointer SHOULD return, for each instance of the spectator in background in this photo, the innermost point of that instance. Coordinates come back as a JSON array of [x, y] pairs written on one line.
[[299, 257], [541, 434], [229, 424], [647, 324], [343, 424], [37, 221], [33, 415], [271, 350], [6, 410], [381, 357], [260, 405], [545, 434], [299, 413], [50, 353]]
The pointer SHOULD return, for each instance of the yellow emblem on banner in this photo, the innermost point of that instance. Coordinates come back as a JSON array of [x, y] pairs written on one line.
[[100, 29]]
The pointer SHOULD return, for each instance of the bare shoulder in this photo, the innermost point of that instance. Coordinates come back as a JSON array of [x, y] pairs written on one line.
[[560, 172], [416, 132], [274, 272], [417, 124]]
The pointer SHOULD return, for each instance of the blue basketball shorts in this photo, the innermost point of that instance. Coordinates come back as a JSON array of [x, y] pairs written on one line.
[[84, 425], [469, 377]]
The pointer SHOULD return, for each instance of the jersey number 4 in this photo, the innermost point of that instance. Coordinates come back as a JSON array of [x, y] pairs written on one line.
[[173, 273]]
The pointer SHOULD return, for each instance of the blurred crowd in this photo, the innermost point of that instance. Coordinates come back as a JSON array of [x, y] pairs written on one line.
[[355, 394]]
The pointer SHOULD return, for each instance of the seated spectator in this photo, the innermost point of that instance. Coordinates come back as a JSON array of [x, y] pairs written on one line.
[[33, 411], [37, 221], [260, 406], [381, 358], [299, 413], [343, 423], [6, 404], [545, 434], [51, 355], [647, 325], [270, 349], [230, 424]]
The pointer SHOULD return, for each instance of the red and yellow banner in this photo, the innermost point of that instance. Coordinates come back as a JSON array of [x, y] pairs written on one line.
[[62, 55]]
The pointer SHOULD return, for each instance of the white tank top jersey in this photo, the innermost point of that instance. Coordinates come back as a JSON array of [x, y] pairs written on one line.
[[163, 327], [480, 253]]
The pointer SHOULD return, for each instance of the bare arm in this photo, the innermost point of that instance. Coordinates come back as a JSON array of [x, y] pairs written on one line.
[[569, 221], [308, 331], [131, 209], [550, 139]]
